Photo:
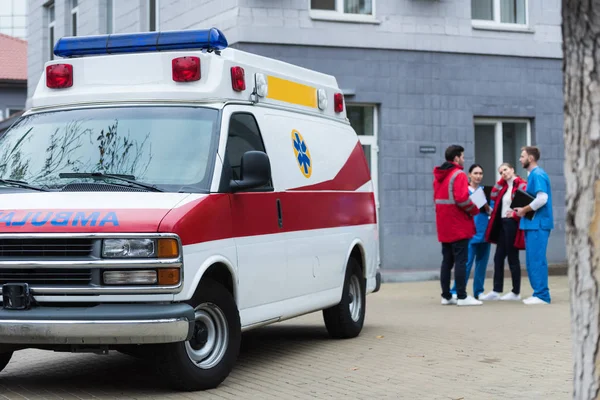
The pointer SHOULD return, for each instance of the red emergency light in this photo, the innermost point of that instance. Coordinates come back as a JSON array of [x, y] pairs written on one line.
[[238, 81], [338, 102], [186, 69], [59, 76]]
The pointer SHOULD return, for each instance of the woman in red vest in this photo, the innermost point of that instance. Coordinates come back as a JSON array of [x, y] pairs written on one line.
[[503, 230]]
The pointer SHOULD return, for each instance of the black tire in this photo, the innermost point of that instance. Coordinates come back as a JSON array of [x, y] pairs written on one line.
[[212, 300], [339, 319], [4, 359]]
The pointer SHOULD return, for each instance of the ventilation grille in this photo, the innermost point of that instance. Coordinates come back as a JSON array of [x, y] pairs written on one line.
[[45, 276], [99, 187], [46, 248]]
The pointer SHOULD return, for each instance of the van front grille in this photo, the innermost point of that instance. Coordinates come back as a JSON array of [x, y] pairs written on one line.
[[43, 248], [46, 276]]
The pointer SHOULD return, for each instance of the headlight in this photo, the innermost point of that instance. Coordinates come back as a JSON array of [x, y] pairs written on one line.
[[129, 248], [140, 248]]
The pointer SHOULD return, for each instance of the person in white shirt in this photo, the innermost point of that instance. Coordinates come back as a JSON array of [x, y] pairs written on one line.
[[503, 230]]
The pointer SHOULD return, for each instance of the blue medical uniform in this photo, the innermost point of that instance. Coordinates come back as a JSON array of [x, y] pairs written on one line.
[[479, 252], [537, 232]]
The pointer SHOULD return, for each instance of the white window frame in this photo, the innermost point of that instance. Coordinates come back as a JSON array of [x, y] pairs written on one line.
[[496, 24], [371, 140], [7, 113], [498, 134], [339, 15], [110, 17], [74, 13], [156, 15], [51, 28]]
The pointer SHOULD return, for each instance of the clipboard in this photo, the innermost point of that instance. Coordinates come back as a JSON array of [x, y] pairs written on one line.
[[478, 197], [488, 193], [522, 199]]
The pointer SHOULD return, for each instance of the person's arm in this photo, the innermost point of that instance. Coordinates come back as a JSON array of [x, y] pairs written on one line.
[[495, 190], [461, 195], [541, 198], [491, 207], [522, 186]]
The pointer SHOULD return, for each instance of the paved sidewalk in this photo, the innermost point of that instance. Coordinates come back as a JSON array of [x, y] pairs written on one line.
[[411, 348]]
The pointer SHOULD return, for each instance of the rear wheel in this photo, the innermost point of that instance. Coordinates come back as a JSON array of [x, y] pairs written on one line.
[[4, 359], [208, 357], [346, 319]]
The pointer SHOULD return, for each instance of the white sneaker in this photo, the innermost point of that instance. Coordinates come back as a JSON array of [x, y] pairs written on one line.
[[450, 302], [469, 301], [490, 296], [534, 300], [511, 296], [454, 296]]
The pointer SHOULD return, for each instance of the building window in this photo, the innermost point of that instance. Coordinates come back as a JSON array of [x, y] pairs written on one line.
[[499, 141], [8, 113], [363, 118], [74, 12], [12, 111], [499, 12], [13, 18], [344, 10], [153, 17], [364, 7], [110, 16], [51, 24]]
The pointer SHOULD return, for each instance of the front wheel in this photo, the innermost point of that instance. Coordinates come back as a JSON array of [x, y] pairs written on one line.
[[208, 357], [4, 359], [346, 319]]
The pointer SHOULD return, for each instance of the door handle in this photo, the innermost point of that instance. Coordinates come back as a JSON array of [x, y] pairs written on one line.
[[279, 214]]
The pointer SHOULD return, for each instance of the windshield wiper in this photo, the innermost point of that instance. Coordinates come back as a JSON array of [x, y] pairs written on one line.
[[100, 175], [22, 184]]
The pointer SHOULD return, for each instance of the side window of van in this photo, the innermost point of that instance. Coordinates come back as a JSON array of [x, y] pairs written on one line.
[[243, 136]]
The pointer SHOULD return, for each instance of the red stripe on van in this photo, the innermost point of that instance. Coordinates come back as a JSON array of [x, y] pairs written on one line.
[[217, 216], [255, 214], [353, 175]]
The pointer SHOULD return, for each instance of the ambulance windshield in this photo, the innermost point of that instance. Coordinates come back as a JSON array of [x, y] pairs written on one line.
[[170, 147]]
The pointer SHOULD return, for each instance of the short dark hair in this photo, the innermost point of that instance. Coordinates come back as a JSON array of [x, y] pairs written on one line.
[[473, 166], [454, 151], [532, 151]]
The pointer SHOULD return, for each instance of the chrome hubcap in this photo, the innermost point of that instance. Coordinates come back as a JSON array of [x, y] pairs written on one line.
[[207, 346], [355, 298]]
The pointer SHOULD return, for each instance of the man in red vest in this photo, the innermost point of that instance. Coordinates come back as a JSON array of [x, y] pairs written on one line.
[[454, 213]]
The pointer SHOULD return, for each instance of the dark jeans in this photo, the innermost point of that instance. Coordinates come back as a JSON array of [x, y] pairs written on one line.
[[506, 248], [454, 254]]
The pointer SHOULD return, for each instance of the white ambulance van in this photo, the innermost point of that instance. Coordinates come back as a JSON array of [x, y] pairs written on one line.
[[165, 193]]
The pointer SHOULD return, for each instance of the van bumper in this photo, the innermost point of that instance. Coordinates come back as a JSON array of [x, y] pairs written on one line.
[[377, 282], [104, 324]]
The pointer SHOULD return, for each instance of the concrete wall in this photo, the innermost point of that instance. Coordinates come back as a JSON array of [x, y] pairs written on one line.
[[432, 99], [433, 25], [428, 25]]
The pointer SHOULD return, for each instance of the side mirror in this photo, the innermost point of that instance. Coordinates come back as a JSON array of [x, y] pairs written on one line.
[[255, 171]]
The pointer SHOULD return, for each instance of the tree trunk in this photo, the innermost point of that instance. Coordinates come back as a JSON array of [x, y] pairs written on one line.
[[581, 40]]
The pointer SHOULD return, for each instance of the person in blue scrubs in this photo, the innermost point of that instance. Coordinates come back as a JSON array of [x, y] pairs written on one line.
[[479, 249], [537, 230]]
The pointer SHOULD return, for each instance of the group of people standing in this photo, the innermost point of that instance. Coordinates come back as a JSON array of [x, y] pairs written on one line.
[[467, 232]]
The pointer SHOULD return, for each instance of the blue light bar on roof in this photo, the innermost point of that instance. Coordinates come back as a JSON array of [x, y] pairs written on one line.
[[208, 39]]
